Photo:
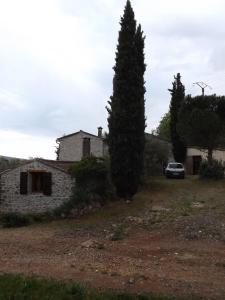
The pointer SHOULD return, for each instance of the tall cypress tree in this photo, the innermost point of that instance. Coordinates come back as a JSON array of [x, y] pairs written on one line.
[[177, 98], [126, 120]]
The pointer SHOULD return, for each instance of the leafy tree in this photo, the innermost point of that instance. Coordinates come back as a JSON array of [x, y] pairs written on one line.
[[202, 122], [6, 164], [126, 118], [177, 97], [163, 130], [156, 156]]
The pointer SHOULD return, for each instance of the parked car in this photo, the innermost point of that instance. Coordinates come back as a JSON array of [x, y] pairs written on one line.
[[175, 170]]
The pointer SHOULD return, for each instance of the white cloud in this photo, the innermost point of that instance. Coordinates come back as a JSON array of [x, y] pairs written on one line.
[[56, 60], [9, 99], [21, 145]]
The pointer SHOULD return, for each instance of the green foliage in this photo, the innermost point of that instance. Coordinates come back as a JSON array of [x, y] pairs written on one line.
[[156, 155], [16, 220], [163, 130], [92, 181], [213, 170], [16, 287], [118, 233], [6, 164], [177, 98], [202, 122], [126, 118], [90, 170], [21, 288]]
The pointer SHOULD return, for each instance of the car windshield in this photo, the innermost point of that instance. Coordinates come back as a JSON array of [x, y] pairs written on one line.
[[175, 166]]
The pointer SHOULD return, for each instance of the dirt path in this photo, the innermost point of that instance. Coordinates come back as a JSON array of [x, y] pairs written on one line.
[[158, 261]]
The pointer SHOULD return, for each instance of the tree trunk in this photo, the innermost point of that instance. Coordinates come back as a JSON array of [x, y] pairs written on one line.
[[210, 156]]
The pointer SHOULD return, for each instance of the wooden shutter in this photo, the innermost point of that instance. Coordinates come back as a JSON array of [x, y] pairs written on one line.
[[23, 183], [47, 184], [86, 147]]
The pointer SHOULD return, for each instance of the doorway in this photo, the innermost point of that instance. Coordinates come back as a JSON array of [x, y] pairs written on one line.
[[197, 159]]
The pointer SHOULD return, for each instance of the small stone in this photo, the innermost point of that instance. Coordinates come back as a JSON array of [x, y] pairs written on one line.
[[100, 246], [131, 280], [87, 244], [93, 244], [144, 277], [113, 274]]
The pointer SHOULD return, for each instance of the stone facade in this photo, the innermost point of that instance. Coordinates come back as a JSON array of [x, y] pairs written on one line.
[[11, 199], [71, 146]]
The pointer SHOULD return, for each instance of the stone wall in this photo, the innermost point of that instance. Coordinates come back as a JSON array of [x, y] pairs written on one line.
[[12, 201], [71, 147]]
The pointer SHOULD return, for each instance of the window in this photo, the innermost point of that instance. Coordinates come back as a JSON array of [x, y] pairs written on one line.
[[86, 147], [176, 166], [36, 182]]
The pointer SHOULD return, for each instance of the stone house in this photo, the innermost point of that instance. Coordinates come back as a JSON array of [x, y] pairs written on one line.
[[35, 187], [74, 146], [196, 155], [42, 185]]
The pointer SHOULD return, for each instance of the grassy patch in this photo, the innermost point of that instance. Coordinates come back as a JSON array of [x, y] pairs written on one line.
[[118, 233], [16, 220], [15, 287]]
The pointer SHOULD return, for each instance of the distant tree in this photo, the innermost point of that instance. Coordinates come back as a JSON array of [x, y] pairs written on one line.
[[6, 164], [163, 130], [177, 98], [156, 156], [126, 120], [57, 150], [202, 122]]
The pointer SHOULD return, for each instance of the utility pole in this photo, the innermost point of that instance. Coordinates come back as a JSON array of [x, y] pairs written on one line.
[[203, 86]]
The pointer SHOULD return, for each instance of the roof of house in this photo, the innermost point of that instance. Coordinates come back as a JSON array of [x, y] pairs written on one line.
[[75, 133], [63, 166], [57, 164]]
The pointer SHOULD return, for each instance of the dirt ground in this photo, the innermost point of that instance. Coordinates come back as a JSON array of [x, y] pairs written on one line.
[[163, 249]]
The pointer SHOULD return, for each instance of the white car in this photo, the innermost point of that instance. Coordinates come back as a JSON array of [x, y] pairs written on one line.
[[175, 170]]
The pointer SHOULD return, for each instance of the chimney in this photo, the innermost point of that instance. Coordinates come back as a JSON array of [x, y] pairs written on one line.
[[100, 132]]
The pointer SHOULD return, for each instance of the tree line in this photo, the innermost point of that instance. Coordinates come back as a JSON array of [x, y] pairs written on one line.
[[193, 121]]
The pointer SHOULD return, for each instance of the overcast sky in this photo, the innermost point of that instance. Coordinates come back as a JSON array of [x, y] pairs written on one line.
[[56, 59]]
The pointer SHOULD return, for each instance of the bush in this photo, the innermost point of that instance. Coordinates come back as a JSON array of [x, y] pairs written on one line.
[[156, 155], [215, 170], [118, 233], [16, 220], [92, 180], [17, 287], [92, 171]]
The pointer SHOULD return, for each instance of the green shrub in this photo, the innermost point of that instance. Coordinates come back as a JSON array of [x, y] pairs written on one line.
[[16, 220], [17, 287], [78, 199], [215, 170], [92, 180], [156, 154], [91, 172], [118, 233]]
